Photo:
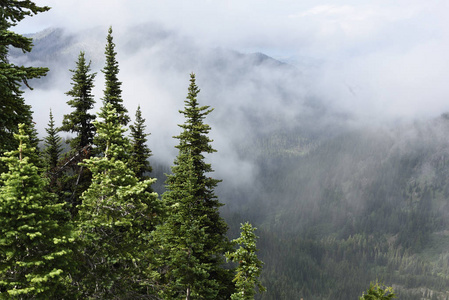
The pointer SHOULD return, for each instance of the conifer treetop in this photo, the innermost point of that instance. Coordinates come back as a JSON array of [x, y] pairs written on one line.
[[194, 140], [249, 266], [113, 91], [53, 144], [79, 121], [195, 132], [139, 150]]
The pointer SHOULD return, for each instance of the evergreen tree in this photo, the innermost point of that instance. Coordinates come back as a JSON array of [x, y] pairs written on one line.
[[249, 266], [79, 121], [34, 233], [116, 218], [76, 179], [13, 109], [193, 235], [33, 140], [52, 153], [53, 144], [113, 91], [139, 150]]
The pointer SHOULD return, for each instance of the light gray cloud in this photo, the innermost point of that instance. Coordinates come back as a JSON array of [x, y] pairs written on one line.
[[390, 54], [373, 61]]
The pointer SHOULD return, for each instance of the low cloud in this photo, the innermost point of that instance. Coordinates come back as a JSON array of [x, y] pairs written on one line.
[[354, 61]]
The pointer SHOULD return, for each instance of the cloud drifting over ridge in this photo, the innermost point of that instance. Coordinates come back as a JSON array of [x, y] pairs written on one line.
[[373, 58], [284, 24]]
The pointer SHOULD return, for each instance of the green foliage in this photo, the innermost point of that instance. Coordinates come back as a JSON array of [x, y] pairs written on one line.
[[79, 121], [378, 292], [34, 233], [116, 218], [193, 235], [113, 91], [249, 266], [110, 132], [13, 109], [53, 145], [139, 150], [75, 179]]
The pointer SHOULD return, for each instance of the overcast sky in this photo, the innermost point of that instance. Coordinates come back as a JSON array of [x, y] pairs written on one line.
[[383, 57]]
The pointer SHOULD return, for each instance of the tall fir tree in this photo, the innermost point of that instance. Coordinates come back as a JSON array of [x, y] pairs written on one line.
[[116, 218], [249, 266], [34, 231], [140, 153], [79, 121], [193, 235], [113, 91], [13, 109], [75, 178]]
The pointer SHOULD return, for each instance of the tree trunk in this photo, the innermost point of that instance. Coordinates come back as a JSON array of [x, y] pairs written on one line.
[[188, 294]]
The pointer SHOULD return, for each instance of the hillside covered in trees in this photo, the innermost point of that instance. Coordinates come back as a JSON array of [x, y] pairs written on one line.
[[108, 212]]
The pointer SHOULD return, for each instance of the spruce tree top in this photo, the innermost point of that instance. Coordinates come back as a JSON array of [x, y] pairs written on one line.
[[139, 150], [249, 266], [53, 144], [193, 140], [80, 121], [113, 91]]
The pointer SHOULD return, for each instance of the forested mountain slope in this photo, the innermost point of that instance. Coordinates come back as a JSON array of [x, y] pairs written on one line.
[[363, 205], [338, 202]]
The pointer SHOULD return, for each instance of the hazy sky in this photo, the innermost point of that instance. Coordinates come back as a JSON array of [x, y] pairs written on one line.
[[383, 57], [378, 60], [288, 26]]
